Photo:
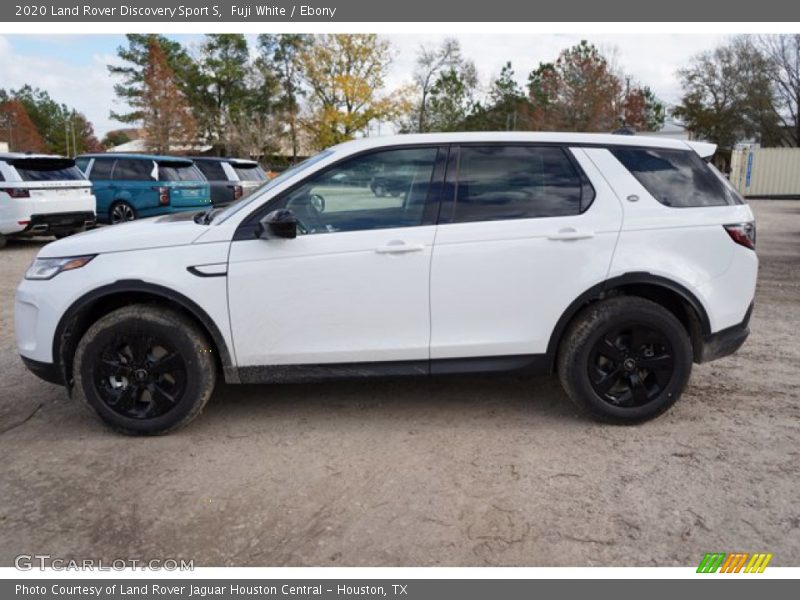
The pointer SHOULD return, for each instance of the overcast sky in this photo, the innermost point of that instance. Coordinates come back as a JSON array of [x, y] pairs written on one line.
[[72, 68]]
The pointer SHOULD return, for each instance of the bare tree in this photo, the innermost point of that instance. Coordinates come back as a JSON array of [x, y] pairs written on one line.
[[783, 55], [431, 63]]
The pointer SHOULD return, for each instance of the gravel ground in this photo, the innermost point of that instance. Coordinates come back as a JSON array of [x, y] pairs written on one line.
[[489, 470]]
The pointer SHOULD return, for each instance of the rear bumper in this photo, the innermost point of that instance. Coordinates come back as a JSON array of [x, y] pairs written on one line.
[[725, 342], [46, 371], [50, 223]]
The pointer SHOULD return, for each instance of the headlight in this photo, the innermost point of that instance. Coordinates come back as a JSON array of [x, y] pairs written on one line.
[[47, 268]]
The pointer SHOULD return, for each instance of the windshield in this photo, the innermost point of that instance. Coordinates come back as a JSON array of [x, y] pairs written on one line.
[[247, 172], [235, 207], [178, 172]]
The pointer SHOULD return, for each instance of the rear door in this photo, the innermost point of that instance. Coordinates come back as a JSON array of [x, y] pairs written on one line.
[[524, 230]]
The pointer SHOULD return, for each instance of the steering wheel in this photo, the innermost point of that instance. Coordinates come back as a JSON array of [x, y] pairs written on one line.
[[308, 210]]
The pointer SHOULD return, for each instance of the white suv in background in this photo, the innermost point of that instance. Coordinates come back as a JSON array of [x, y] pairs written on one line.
[[43, 195], [614, 261]]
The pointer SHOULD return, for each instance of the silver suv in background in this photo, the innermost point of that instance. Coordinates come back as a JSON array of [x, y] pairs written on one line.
[[230, 178]]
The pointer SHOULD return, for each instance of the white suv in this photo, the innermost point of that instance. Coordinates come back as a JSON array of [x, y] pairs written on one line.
[[43, 195], [614, 261]]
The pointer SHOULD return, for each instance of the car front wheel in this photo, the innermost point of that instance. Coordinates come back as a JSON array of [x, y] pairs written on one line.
[[625, 360], [144, 370]]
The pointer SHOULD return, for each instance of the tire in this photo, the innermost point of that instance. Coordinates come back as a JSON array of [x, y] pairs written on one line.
[[144, 370], [625, 360], [379, 190], [3, 240], [120, 212]]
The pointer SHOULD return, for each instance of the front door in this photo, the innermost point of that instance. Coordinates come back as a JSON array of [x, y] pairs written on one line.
[[353, 286]]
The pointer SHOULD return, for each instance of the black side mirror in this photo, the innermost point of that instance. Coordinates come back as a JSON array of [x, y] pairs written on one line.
[[279, 223]]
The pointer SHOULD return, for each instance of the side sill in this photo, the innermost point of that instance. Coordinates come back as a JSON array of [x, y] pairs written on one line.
[[537, 364]]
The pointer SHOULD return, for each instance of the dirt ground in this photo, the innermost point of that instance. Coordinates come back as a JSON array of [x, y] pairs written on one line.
[[489, 470]]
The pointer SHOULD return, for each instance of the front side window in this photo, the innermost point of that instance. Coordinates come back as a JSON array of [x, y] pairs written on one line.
[[676, 178], [516, 182], [131, 169], [381, 190]]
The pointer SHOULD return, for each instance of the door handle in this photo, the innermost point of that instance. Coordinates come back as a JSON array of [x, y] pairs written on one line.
[[399, 247], [570, 233]]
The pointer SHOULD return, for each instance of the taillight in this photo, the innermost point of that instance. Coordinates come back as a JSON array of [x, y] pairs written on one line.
[[16, 192], [743, 234], [237, 192], [163, 196]]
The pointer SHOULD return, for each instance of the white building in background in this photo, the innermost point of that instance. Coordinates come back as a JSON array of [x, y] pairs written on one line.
[[672, 129]]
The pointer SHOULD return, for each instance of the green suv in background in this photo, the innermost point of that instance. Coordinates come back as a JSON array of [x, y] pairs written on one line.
[[135, 186]]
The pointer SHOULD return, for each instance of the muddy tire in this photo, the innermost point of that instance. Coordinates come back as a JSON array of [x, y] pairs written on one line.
[[144, 370], [625, 360]]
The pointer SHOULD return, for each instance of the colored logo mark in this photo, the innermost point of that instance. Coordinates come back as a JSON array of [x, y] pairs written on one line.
[[738, 562]]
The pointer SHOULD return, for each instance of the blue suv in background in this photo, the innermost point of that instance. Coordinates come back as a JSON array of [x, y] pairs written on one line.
[[135, 186]]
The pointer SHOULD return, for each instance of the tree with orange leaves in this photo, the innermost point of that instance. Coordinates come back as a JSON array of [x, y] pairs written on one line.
[[167, 121], [16, 126]]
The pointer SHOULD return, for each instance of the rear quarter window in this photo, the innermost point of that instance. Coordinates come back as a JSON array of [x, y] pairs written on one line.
[[676, 178]]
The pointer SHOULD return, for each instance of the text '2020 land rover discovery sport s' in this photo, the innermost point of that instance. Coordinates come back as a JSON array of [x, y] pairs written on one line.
[[614, 261]]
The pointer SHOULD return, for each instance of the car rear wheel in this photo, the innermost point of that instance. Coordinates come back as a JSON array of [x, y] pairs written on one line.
[[625, 360], [121, 212], [144, 370]]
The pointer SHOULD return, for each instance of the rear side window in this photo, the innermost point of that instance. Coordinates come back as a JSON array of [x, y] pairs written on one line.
[[101, 169], [676, 178], [212, 170], [248, 172], [175, 171], [131, 169], [47, 169], [516, 182]]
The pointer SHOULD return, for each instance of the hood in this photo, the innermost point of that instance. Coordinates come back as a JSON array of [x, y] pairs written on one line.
[[135, 235]]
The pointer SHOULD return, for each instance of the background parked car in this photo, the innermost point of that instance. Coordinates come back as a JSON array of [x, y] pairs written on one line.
[[230, 178], [134, 186], [43, 195]]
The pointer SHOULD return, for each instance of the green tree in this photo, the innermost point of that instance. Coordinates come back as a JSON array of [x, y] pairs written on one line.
[[728, 95], [280, 57], [507, 108]]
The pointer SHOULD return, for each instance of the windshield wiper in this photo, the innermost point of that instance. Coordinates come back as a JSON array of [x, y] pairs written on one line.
[[205, 217]]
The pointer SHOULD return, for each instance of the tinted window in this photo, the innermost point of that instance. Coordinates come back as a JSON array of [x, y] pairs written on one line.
[[131, 169], [676, 178], [47, 169], [101, 169], [175, 171], [376, 191], [249, 172], [212, 170], [515, 182], [82, 163]]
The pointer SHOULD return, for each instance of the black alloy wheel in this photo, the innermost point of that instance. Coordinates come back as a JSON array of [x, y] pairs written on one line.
[[631, 365], [140, 376]]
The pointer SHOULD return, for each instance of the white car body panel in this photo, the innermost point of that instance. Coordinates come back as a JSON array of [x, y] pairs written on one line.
[[481, 289]]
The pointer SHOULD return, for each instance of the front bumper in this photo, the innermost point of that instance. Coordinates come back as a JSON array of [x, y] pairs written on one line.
[[46, 371], [725, 342]]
